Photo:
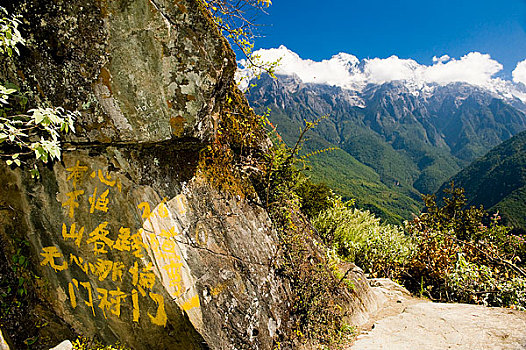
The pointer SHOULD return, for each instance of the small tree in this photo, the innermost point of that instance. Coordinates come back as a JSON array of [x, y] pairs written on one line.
[[26, 132], [236, 19], [453, 216], [463, 254]]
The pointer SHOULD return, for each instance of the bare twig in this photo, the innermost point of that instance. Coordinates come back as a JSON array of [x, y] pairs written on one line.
[[495, 259]]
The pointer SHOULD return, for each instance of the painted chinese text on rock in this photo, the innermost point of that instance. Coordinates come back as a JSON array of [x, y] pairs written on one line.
[[114, 264]]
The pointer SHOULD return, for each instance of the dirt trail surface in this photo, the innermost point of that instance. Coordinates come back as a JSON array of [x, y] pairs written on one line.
[[410, 323]]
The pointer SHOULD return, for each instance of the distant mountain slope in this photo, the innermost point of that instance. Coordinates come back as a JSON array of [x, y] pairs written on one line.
[[348, 176], [498, 180], [413, 140]]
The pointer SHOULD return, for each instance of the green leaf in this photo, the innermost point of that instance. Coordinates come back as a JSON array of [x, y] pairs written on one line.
[[35, 174]]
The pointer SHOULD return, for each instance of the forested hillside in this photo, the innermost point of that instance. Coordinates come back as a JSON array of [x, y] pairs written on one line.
[[410, 142], [498, 181]]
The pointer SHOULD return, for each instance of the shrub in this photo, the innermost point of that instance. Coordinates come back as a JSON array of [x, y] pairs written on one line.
[[358, 236], [448, 253], [22, 132], [464, 255], [314, 198], [317, 308], [83, 343], [473, 283]]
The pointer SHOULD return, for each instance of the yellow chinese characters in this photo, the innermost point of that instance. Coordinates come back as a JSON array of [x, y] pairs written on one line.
[[160, 318], [110, 301], [77, 173], [50, 254], [71, 202], [114, 303], [162, 211], [99, 203], [99, 237], [102, 289], [107, 180], [126, 242], [191, 303], [72, 297], [173, 270], [73, 233], [145, 207], [144, 279], [103, 268], [137, 244]]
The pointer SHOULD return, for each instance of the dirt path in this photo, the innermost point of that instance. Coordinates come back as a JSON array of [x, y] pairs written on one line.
[[410, 323]]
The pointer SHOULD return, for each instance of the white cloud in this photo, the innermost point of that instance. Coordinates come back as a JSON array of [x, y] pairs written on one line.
[[474, 68], [346, 70], [335, 71], [442, 59], [519, 73], [378, 70]]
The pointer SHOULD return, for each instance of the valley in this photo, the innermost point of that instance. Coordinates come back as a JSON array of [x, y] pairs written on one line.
[[394, 143]]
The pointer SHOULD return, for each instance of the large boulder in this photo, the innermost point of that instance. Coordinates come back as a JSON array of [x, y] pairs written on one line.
[[127, 240]]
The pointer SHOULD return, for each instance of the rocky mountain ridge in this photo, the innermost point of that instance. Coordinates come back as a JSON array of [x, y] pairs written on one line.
[[413, 142], [355, 76]]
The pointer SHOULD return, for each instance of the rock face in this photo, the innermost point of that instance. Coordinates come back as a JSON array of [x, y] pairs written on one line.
[[114, 252], [130, 245], [140, 71], [129, 241], [3, 344]]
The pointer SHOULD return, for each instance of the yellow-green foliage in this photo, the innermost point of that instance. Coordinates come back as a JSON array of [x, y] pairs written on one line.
[[318, 303], [216, 164], [463, 255], [83, 343], [318, 299], [239, 125], [235, 21], [26, 132], [237, 146], [240, 160], [358, 236]]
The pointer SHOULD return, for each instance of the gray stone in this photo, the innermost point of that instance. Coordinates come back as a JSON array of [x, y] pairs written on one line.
[[65, 345], [404, 322], [3, 343], [139, 71]]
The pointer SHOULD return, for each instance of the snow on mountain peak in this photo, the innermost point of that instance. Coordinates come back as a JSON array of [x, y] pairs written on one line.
[[348, 72], [340, 70]]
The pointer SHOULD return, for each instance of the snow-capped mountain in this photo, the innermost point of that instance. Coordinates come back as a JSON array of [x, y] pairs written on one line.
[[412, 136], [348, 72]]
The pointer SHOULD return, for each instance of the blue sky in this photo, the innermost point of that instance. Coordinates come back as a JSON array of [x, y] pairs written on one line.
[[407, 28]]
